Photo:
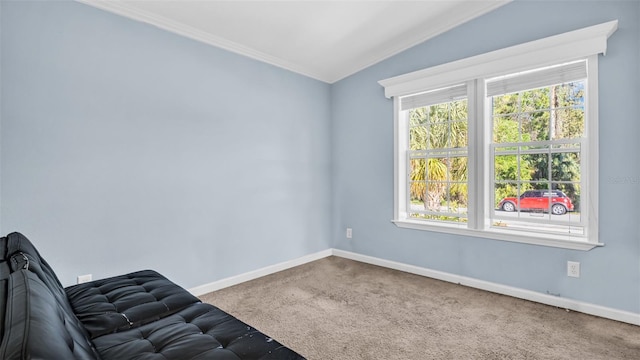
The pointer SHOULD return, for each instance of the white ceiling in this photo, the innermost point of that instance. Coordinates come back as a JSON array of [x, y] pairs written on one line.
[[326, 40]]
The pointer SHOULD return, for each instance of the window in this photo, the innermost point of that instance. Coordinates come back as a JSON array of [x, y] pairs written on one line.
[[437, 155], [537, 138], [503, 145]]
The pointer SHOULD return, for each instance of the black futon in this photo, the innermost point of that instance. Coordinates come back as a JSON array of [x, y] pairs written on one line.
[[141, 315]]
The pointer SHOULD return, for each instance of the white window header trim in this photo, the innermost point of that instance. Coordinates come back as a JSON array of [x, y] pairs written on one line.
[[569, 46]]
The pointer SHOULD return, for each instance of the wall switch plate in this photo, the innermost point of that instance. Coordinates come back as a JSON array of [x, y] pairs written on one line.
[[84, 278], [349, 233], [573, 269]]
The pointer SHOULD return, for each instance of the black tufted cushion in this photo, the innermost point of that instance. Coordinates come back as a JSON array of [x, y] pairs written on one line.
[[200, 331], [139, 316], [126, 301], [24, 267], [35, 327]]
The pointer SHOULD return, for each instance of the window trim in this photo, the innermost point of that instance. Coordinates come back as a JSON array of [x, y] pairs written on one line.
[[585, 43], [567, 47]]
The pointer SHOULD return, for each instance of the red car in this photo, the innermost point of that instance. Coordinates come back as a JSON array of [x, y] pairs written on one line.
[[542, 200]]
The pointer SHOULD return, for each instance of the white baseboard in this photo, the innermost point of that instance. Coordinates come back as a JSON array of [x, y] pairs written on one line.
[[234, 280], [583, 307], [579, 306]]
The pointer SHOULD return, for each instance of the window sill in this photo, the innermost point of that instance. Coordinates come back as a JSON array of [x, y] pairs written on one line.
[[558, 241]]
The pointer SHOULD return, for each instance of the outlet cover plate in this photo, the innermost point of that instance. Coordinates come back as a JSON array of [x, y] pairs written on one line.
[[84, 278], [573, 269]]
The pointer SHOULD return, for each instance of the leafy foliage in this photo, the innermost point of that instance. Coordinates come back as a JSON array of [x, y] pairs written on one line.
[[526, 122], [539, 115], [439, 179]]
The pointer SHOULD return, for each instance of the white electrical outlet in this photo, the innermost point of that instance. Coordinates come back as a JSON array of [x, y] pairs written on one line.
[[349, 233], [84, 278], [573, 269]]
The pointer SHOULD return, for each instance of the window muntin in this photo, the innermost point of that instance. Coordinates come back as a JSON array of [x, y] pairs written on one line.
[[537, 141], [437, 155], [517, 62]]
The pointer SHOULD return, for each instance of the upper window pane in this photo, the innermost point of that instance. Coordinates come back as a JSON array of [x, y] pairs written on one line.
[[550, 113], [439, 126]]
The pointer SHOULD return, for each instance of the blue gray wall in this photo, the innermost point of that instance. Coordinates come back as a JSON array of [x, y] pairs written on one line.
[[362, 143], [124, 147]]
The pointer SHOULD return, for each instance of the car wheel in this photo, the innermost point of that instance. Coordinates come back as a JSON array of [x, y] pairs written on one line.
[[558, 209], [508, 206]]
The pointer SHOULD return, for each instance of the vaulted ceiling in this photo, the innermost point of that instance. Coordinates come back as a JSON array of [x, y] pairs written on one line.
[[325, 40]]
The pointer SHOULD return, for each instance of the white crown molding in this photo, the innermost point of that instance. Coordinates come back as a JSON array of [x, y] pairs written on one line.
[[568, 46], [429, 31], [122, 9]]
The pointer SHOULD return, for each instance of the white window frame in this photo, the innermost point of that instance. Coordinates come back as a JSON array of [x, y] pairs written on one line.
[[586, 43]]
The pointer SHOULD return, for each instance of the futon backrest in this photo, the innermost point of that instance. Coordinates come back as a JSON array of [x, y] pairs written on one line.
[[36, 327], [16, 244], [35, 309]]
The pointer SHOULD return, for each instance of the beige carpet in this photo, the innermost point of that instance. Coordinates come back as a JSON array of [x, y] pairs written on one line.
[[336, 308]]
